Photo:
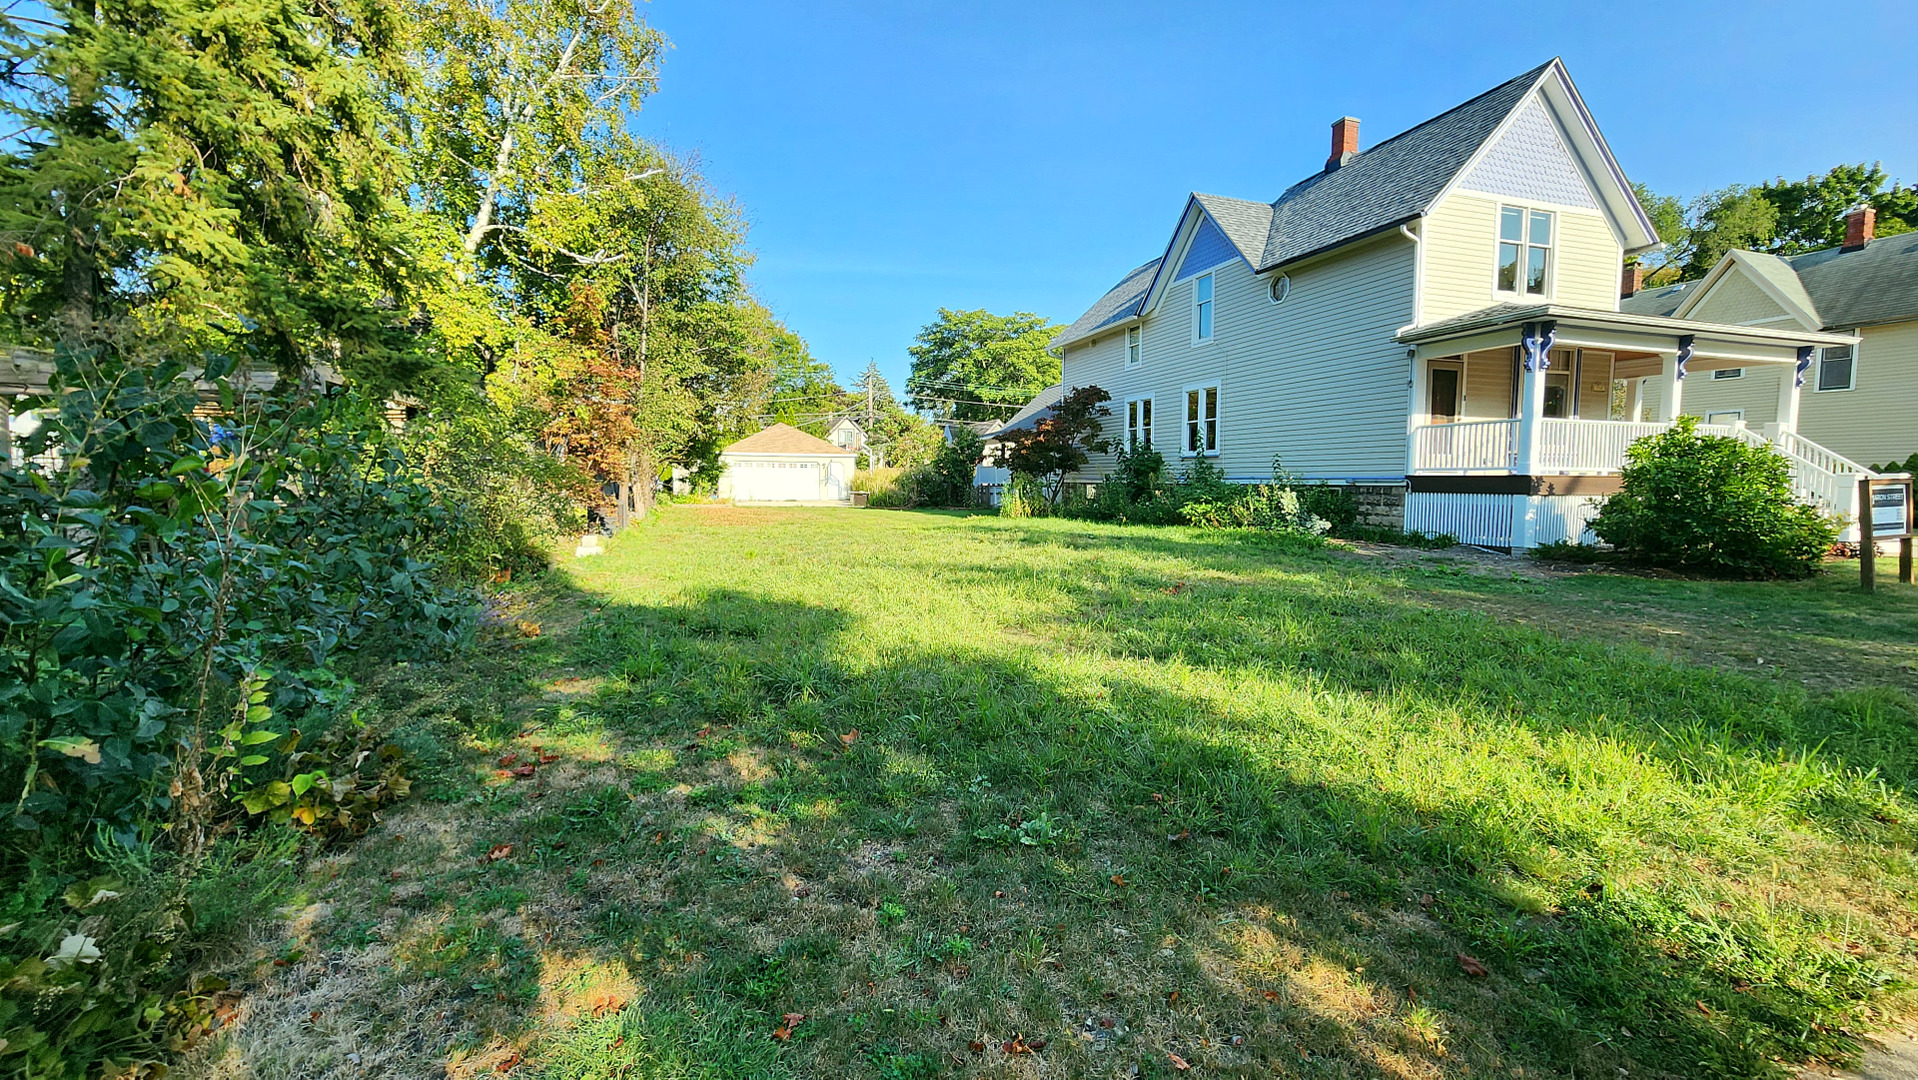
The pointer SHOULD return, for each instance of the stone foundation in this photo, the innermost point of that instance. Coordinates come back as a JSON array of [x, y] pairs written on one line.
[[1381, 506]]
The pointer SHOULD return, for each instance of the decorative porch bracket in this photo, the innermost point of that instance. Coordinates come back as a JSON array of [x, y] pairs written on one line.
[[1804, 363], [1685, 342], [1536, 344]]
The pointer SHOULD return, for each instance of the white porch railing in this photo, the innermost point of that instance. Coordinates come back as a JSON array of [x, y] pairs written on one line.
[[1597, 447], [1469, 446], [1821, 478]]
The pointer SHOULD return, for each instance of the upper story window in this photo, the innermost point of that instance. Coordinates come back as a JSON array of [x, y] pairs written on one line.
[[1134, 346], [1201, 420], [1837, 368], [1202, 308], [1524, 251], [1280, 288], [1138, 423]]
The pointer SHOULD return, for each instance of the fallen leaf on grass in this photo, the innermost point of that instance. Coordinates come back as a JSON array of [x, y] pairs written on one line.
[[1172, 998], [1183, 834], [1704, 1008], [1021, 1045], [1178, 1062], [1471, 966], [1120, 881], [850, 737], [1271, 995], [1174, 589], [525, 771], [508, 760], [527, 628], [498, 852], [508, 1062], [976, 1046]]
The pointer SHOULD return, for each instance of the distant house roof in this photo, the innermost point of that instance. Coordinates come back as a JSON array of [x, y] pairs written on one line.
[[1389, 185], [1877, 283], [785, 439], [1036, 410], [1660, 301], [1838, 289]]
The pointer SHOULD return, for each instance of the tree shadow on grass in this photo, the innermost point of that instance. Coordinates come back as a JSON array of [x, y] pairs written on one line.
[[1289, 897]]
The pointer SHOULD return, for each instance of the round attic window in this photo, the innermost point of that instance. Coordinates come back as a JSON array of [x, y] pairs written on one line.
[[1281, 288]]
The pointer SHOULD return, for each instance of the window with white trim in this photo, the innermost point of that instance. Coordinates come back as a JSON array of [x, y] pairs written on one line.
[[1134, 346], [1138, 423], [1524, 251], [1725, 417], [1728, 373], [1201, 420], [1837, 368], [1202, 308]]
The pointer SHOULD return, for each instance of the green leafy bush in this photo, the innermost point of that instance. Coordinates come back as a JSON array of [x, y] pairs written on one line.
[[507, 502], [176, 597], [1715, 506], [1257, 506]]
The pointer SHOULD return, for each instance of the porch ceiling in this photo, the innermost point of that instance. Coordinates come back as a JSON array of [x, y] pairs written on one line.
[[1503, 325]]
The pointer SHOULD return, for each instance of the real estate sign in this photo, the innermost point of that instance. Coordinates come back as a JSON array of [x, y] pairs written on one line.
[[1891, 509]]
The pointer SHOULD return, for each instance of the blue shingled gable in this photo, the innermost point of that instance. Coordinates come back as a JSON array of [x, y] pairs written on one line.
[[1209, 248]]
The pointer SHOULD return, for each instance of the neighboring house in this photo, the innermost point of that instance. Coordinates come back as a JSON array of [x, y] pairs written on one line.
[[1859, 400], [847, 435], [990, 477], [1434, 321], [783, 464]]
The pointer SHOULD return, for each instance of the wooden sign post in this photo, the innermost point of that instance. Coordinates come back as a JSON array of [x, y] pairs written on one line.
[[1884, 513]]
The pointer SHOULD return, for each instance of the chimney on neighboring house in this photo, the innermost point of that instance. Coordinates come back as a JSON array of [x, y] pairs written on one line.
[[1859, 226], [1632, 281], [1345, 142]]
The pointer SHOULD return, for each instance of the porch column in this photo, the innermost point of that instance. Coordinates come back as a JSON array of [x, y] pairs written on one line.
[[1634, 398], [1535, 356], [1671, 381], [1415, 415], [6, 432], [1791, 386]]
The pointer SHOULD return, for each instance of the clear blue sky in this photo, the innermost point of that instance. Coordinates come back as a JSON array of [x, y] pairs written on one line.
[[896, 157]]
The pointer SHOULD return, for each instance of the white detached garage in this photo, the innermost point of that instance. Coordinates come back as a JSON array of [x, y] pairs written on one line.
[[783, 464]]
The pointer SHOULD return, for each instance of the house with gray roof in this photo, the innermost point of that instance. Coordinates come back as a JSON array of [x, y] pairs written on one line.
[[1434, 321], [1860, 400]]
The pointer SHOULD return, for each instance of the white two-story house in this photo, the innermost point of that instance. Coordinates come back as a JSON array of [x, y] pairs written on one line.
[[1435, 321]]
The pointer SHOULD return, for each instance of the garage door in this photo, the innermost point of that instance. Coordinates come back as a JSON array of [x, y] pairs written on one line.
[[776, 481]]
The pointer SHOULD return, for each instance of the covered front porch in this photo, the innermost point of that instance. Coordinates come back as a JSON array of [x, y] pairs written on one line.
[[1519, 416]]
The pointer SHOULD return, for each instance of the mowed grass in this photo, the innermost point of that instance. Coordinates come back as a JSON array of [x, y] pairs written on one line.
[[894, 795]]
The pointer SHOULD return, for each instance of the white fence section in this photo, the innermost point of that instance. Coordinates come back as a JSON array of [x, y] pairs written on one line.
[[1466, 447], [1563, 517], [1474, 519]]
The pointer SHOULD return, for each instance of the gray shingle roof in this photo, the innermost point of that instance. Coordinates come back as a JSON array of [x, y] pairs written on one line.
[[1391, 183], [1878, 283], [1245, 223], [1388, 185], [1036, 410], [1660, 301], [1120, 303]]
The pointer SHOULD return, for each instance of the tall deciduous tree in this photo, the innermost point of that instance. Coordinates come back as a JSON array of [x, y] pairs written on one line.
[[973, 365], [206, 173], [509, 95]]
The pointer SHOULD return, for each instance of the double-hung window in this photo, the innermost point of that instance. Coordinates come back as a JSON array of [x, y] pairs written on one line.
[[1837, 368], [1138, 424], [1202, 308], [1201, 420], [1524, 251], [1134, 346]]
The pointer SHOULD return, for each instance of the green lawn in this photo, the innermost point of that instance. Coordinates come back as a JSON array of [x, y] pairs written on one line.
[[985, 797]]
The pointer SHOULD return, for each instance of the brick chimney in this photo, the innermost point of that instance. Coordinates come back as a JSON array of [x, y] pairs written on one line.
[[1859, 226], [1632, 281], [1345, 142]]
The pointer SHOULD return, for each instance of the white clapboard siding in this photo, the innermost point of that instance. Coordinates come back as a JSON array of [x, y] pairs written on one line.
[[1318, 379]]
